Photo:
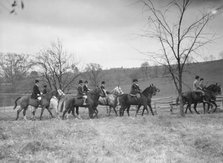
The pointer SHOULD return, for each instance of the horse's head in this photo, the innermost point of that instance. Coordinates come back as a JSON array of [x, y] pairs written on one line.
[[151, 90], [60, 93], [215, 88], [117, 91], [97, 91], [154, 89]]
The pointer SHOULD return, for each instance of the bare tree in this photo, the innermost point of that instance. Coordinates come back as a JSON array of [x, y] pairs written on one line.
[[12, 6], [58, 68], [179, 38], [94, 73], [14, 67], [145, 68]]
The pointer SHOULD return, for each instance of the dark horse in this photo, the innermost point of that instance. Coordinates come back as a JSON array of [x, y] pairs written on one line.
[[127, 100], [192, 97], [75, 102], [25, 101]]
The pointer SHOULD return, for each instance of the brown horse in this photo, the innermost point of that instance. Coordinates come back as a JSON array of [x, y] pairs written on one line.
[[25, 101], [75, 102], [192, 97], [127, 100]]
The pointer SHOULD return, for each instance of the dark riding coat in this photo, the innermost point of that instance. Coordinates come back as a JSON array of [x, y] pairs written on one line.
[[45, 91], [86, 89], [36, 92], [80, 91], [104, 91], [135, 89]]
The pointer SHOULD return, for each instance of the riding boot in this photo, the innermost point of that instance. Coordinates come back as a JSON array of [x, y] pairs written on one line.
[[203, 98], [84, 102]]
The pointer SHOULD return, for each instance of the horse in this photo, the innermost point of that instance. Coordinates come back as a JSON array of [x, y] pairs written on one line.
[[111, 99], [44, 102], [192, 97], [92, 102], [126, 100]]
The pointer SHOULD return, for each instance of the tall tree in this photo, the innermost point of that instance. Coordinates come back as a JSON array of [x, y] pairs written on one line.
[[14, 67], [58, 67], [179, 37], [94, 73], [145, 68]]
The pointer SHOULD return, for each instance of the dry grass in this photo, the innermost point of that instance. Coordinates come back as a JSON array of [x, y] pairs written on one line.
[[163, 138]]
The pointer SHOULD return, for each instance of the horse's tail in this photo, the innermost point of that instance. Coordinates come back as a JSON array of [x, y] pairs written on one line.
[[16, 103], [61, 106]]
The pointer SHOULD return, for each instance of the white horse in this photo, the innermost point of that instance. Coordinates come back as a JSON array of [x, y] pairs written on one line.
[[111, 99]]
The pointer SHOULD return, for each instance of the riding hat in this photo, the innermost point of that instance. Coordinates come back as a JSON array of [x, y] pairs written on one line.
[[85, 81], [45, 86], [103, 82], [197, 77], [36, 81], [80, 82], [134, 80]]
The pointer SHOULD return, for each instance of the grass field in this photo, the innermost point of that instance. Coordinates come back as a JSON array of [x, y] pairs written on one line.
[[160, 138]]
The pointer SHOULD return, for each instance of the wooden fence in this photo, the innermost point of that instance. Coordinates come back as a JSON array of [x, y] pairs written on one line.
[[170, 103]]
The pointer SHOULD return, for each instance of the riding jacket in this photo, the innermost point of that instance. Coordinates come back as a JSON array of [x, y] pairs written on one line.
[[196, 85], [135, 89], [45, 91], [86, 89], [104, 91], [36, 92], [80, 91]]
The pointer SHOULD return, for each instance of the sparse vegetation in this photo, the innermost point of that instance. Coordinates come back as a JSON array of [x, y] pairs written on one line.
[[163, 138]]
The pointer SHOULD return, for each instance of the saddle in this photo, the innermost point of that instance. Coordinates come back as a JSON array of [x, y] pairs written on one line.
[[135, 96]]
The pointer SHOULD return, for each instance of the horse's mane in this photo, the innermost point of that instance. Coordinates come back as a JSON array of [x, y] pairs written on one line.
[[146, 91]]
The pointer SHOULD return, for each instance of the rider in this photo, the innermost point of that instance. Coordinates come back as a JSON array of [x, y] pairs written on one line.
[[45, 89], [85, 87], [119, 91], [197, 88], [80, 91], [36, 92], [103, 89], [201, 83], [135, 90]]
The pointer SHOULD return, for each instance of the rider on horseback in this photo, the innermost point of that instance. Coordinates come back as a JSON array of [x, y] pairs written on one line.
[[80, 92], [36, 92], [45, 90], [197, 88], [103, 89], [85, 87], [135, 90]]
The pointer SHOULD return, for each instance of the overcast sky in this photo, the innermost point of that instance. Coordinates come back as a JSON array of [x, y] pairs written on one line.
[[106, 32]]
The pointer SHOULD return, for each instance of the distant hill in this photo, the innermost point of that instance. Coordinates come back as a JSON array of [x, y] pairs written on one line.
[[211, 71]]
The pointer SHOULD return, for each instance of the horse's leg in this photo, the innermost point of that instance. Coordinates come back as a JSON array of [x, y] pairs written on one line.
[[205, 108], [214, 110], [96, 112], [24, 114], [195, 108], [18, 111], [50, 112], [77, 112], [120, 111], [41, 114], [137, 110], [151, 109], [114, 111], [189, 107], [127, 109]]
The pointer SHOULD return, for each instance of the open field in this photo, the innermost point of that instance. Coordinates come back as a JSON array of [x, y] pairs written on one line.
[[160, 138]]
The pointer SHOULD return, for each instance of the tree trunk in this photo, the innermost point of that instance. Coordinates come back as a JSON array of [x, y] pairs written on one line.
[[181, 105], [180, 95]]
